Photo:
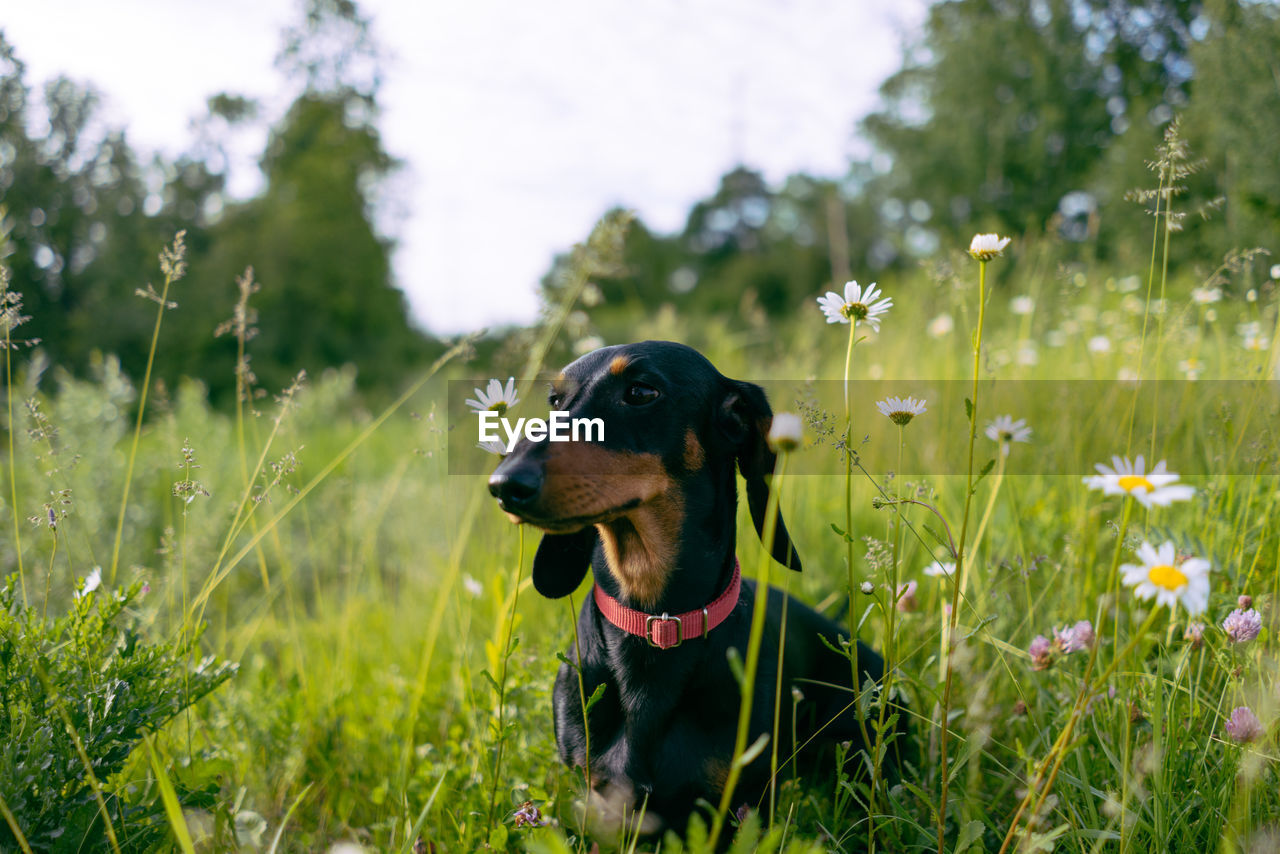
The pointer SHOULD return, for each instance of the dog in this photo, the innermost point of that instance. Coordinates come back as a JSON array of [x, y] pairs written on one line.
[[652, 510]]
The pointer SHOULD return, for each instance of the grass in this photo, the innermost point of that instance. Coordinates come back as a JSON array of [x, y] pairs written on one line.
[[395, 667]]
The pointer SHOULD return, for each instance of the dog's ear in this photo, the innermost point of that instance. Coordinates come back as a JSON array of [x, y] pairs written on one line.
[[745, 417], [561, 562]]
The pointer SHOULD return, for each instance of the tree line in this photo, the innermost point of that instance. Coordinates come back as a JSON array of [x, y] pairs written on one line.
[[1031, 117], [1040, 118], [85, 219]]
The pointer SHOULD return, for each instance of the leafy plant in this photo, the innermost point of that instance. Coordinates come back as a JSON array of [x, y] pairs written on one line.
[[79, 693]]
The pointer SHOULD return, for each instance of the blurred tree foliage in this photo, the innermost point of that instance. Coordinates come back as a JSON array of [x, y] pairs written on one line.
[[1233, 119], [1023, 116], [88, 219], [1040, 117], [1005, 115], [748, 248]]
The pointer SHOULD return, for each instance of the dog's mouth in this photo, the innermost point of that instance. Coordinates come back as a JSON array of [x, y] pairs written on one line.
[[568, 524], [573, 490]]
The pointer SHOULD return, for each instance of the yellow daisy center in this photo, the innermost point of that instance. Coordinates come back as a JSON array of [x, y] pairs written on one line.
[[1166, 576], [499, 406], [854, 311], [1131, 482]]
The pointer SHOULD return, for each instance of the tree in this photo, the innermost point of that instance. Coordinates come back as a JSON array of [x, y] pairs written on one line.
[[327, 294], [74, 196], [88, 220], [1233, 121], [1002, 114]]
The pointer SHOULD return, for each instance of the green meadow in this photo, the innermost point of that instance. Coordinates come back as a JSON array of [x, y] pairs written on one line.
[[255, 595], [294, 626]]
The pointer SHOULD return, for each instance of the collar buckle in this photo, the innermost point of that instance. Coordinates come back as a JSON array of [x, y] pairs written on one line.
[[664, 617]]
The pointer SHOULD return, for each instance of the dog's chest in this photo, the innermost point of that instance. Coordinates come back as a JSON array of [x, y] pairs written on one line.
[[676, 711]]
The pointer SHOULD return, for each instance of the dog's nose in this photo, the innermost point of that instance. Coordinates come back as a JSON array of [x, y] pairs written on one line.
[[516, 487]]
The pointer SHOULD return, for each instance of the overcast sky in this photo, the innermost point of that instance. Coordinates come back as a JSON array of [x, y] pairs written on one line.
[[519, 123]]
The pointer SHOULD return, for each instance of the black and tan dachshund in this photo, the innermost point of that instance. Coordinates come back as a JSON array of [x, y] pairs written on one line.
[[652, 509]]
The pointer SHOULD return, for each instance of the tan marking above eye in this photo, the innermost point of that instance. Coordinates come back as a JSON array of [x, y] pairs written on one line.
[[618, 365]]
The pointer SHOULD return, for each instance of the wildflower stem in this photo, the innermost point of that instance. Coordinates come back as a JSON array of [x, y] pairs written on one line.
[[240, 323], [848, 514], [777, 703], [586, 724], [890, 608], [848, 366], [13, 465], [9, 318], [1085, 689], [137, 428], [753, 651], [850, 462], [1164, 278], [1113, 578], [1146, 314], [960, 556], [502, 687], [996, 482]]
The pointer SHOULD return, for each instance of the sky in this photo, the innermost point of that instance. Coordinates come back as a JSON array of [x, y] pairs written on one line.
[[518, 123]]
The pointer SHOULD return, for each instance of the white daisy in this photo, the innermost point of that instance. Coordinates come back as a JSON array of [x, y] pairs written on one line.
[[493, 446], [984, 247], [1155, 488], [91, 583], [587, 345], [786, 432], [858, 305], [1162, 577], [900, 410], [1256, 343], [938, 569], [1004, 429], [1022, 304], [1205, 296], [1099, 344], [497, 399], [1192, 367], [941, 325]]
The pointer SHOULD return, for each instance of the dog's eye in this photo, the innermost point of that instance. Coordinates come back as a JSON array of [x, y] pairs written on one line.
[[639, 394], [555, 399]]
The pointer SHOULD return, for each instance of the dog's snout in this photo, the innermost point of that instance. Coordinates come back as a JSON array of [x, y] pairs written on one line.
[[517, 486]]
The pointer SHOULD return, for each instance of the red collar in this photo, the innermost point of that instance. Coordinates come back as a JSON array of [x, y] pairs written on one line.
[[666, 630]]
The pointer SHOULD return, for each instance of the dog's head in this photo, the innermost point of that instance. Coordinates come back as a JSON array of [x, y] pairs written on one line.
[[673, 430]]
